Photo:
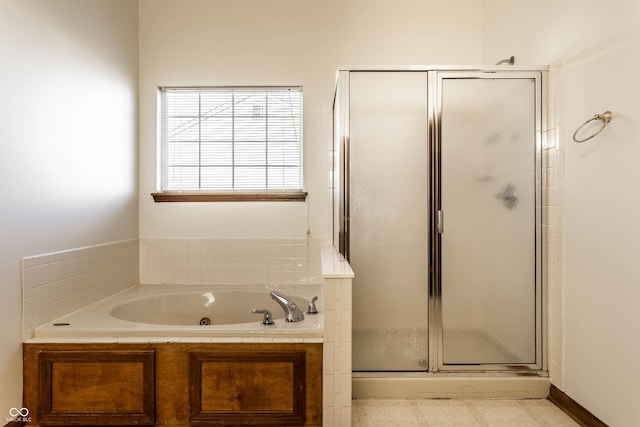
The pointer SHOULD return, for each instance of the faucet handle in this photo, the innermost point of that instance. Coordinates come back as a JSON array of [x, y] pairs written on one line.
[[267, 319], [311, 309]]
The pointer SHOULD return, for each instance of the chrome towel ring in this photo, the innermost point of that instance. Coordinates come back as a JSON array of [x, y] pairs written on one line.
[[604, 117]]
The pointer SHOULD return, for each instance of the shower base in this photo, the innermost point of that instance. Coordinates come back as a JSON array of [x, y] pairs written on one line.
[[421, 385]]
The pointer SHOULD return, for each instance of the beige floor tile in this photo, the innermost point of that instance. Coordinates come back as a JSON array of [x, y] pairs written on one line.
[[458, 413], [389, 412], [500, 417], [550, 413], [448, 417], [412, 422]]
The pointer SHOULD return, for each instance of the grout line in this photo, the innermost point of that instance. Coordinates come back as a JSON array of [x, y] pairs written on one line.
[[360, 418], [533, 414], [475, 413], [422, 419]]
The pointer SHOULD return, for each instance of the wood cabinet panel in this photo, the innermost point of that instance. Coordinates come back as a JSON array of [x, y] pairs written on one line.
[[234, 386], [105, 387], [139, 384], [257, 388]]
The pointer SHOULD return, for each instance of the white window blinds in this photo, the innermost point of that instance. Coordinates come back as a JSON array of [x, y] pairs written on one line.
[[217, 139]]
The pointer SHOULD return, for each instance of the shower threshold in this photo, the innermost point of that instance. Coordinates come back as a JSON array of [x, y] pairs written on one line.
[[449, 385]]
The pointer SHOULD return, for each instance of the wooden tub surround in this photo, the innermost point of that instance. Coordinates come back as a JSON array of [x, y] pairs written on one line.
[[173, 384]]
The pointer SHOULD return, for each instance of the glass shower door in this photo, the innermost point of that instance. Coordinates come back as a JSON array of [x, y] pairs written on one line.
[[490, 236], [388, 220]]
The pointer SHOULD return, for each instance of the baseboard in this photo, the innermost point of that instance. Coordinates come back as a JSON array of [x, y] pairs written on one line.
[[572, 408]]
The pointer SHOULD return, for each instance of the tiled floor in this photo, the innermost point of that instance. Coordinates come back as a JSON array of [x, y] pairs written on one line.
[[458, 413]]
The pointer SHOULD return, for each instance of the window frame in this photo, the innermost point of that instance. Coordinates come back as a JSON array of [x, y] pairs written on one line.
[[205, 195]]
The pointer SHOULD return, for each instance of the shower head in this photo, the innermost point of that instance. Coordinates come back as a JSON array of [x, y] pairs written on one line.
[[510, 61]]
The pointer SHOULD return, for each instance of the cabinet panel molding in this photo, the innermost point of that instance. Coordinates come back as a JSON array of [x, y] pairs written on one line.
[[256, 388], [96, 387]]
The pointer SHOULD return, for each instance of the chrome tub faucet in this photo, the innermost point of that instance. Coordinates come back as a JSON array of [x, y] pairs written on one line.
[[291, 311]]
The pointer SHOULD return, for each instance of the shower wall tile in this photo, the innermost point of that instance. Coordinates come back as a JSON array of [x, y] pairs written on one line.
[[337, 292], [58, 283], [553, 220]]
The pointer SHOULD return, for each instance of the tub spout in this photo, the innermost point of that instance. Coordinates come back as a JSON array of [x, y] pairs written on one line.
[[291, 311]]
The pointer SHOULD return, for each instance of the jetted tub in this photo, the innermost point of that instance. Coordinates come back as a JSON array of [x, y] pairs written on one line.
[[190, 311]]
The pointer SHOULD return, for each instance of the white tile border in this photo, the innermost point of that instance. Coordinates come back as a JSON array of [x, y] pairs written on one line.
[[554, 227], [58, 283], [229, 261], [337, 375]]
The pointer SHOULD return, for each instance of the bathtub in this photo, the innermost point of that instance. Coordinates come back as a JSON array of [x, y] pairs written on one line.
[[185, 311]]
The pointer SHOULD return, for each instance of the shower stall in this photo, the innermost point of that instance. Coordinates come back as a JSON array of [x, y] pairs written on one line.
[[437, 183]]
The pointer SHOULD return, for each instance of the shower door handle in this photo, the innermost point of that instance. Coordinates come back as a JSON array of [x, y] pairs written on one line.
[[440, 222]]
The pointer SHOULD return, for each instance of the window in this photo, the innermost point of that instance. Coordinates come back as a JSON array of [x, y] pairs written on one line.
[[221, 143]]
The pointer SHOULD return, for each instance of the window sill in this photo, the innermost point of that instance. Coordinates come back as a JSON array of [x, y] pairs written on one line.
[[230, 196]]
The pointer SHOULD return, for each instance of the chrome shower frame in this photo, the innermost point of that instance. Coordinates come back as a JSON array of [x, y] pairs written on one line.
[[436, 356], [340, 190]]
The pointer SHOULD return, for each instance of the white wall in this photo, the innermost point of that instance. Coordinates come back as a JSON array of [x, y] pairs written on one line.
[[543, 31], [593, 48], [602, 209], [68, 153], [289, 42]]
